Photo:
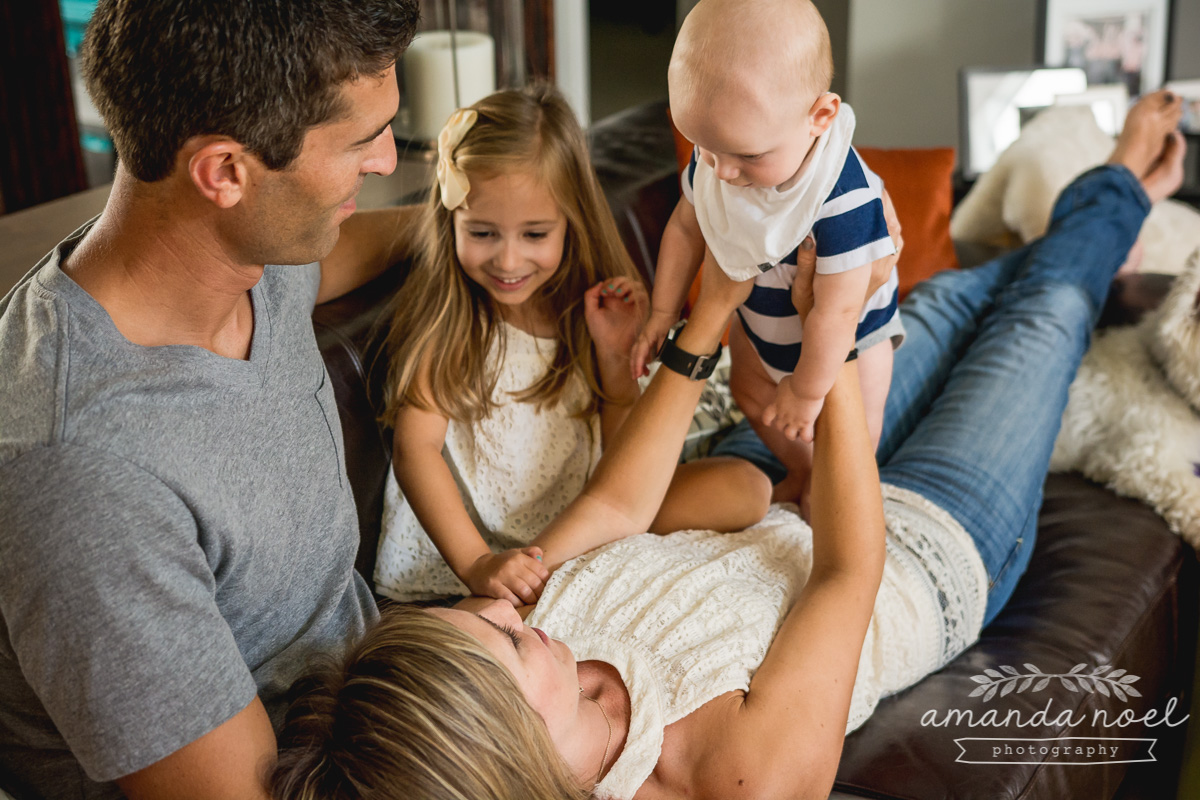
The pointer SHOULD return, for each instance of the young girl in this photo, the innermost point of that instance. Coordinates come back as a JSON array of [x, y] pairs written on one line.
[[509, 362]]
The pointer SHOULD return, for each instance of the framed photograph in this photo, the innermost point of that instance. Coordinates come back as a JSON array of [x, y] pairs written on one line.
[[1112, 41], [995, 103]]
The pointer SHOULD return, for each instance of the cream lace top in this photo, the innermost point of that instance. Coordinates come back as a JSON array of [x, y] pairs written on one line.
[[515, 469], [687, 617]]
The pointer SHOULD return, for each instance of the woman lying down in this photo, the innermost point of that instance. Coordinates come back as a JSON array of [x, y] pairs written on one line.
[[732, 665]]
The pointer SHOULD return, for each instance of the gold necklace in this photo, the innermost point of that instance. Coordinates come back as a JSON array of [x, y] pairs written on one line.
[[608, 743]]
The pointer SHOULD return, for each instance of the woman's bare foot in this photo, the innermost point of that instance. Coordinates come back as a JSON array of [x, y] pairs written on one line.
[[1134, 262], [1151, 146], [1166, 176]]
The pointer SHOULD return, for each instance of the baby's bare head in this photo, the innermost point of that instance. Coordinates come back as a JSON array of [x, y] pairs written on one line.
[[774, 55]]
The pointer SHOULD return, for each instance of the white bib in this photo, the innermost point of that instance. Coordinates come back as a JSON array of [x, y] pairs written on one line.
[[749, 229]]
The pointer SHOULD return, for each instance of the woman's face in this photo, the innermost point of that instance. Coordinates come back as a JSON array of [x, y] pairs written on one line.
[[544, 668]]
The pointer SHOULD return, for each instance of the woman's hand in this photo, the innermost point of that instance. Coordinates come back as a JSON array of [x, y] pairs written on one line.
[[516, 575], [881, 269], [615, 311]]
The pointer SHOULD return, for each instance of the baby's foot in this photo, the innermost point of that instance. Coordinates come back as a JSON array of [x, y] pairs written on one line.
[[1150, 146]]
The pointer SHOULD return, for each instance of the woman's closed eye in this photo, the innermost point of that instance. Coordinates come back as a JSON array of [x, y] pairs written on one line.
[[512, 634], [507, 631]]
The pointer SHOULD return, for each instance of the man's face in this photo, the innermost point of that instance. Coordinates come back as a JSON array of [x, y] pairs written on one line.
[[294, 214]]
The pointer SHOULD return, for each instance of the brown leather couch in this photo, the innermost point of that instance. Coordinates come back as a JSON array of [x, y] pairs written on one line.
[[1108, 582]]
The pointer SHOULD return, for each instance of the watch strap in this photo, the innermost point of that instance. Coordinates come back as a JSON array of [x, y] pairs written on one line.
[[689, 365]]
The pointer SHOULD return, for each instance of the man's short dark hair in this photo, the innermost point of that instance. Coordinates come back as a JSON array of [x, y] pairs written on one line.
[[261, 72]]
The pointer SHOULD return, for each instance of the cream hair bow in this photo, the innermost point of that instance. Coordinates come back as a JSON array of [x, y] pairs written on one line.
[[452, 180]]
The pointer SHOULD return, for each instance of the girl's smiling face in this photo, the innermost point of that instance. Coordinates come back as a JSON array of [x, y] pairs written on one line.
[[510, 241]]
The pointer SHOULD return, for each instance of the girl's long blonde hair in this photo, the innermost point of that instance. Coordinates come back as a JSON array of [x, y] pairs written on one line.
[[419, 710], [444, 324]]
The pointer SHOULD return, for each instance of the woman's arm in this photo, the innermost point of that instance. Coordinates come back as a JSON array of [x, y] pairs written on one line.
[[784, 738], [632, 477], [428, 486]]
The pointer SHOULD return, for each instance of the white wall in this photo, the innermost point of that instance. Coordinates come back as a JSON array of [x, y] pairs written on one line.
[[904, 56], [571, 56]]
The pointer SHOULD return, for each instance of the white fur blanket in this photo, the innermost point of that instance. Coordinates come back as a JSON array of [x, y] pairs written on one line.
[[1011, 203], [1132, 420]]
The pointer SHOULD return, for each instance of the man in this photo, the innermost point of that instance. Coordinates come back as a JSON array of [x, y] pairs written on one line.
[[177, 531]]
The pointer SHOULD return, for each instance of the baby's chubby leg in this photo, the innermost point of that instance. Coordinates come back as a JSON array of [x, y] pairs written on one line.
[[875, 378], [753, 390]]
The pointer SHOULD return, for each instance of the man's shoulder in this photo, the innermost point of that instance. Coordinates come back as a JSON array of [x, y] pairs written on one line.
[[33, 359]]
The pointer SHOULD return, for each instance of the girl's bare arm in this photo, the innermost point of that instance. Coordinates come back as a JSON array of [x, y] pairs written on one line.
[[430, 489]]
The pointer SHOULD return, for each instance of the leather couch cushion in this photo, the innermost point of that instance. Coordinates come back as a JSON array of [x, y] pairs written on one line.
[[1108, 583]]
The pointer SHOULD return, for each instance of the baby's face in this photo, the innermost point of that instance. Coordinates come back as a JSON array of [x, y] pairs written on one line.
[[749, 143]]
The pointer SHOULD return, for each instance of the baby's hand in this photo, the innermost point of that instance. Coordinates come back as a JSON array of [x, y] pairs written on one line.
[[516, 575], [614, 310], [793, 413], [649, 341]]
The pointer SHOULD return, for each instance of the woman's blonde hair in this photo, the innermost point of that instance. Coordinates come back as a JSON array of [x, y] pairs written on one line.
[[444, 324], [419, 710]]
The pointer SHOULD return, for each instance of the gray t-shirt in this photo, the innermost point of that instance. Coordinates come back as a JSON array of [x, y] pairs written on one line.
[[177, 531]]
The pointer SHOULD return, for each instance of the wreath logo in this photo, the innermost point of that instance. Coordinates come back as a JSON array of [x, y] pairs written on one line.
[[1103, 679]]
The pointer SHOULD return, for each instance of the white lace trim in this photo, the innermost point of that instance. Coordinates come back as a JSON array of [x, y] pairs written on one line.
[[687, 617], [516, 470]]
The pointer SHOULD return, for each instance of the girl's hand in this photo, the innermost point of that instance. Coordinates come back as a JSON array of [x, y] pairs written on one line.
[[650, 341], [615, 310], [516, 575]]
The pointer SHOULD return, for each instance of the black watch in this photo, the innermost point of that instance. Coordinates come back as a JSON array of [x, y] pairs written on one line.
[[693, 367]]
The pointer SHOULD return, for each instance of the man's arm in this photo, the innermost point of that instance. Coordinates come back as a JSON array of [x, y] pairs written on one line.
[[370, 242], [231, 761], [109, 605]]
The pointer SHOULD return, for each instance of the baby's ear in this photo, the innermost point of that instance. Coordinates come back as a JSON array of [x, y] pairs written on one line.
[[823, 112]]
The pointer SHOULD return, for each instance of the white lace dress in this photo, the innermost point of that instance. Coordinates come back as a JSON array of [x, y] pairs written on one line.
[[516, 470], [687, 617]]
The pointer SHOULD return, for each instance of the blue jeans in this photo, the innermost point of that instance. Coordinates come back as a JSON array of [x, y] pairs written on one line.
[[979, 387]]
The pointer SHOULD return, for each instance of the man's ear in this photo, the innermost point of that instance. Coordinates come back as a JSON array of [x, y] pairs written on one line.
[[219, 168], [823, 112]]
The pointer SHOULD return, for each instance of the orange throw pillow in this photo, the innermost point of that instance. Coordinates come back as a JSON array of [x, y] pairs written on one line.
[[920, 182]]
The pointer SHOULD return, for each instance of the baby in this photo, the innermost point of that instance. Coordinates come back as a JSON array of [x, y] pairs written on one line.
[[773, 166]]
